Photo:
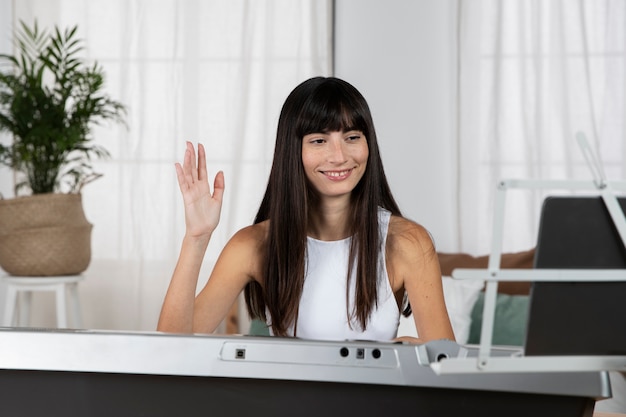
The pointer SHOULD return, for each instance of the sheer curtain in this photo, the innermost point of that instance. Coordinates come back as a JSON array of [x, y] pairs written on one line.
[[531, 74], [212, 71]]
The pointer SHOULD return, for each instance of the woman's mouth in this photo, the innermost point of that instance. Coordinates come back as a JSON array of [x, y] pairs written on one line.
[[337, 175]]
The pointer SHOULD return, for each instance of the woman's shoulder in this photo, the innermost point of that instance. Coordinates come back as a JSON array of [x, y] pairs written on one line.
[[254, 235], [245, 250], [402, 227], [405, 234]]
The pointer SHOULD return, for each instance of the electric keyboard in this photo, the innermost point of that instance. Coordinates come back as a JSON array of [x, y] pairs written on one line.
[[102, 373]]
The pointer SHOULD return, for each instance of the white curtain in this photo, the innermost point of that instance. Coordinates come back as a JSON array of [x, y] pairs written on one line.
[[532, 73], [210, 71]]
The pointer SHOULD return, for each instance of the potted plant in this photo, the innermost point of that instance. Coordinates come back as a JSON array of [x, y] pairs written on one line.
[[50, 99]]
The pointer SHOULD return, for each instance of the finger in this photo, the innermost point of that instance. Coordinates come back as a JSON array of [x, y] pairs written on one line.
[[180, 175], [218, 186], [202, 173], [187, 169], [192, 166]]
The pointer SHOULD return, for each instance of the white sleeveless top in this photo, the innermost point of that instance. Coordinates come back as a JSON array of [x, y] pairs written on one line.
[[323, 313]]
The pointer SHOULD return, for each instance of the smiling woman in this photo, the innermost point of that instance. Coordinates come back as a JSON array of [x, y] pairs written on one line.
[[329, 255]]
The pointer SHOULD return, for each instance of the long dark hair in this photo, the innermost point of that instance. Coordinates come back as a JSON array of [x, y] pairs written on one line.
[[317, 105]]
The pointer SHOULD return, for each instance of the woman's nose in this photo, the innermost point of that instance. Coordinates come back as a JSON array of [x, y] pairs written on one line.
[[337, 151]]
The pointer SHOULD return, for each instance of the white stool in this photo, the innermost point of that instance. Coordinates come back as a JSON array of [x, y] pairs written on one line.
[[29, 284]]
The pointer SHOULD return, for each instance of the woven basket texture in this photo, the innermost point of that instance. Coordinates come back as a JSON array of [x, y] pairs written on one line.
[[44, 235], [41, 210]]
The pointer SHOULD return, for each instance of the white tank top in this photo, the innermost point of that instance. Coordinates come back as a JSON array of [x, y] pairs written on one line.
[[323, 313]]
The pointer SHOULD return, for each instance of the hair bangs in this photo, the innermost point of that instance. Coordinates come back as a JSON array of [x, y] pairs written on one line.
[[329, 110]]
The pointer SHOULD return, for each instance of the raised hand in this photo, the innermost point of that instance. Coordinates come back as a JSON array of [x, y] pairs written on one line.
[[202, 209]]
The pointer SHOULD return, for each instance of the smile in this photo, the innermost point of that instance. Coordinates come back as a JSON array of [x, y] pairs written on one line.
[[337, 175]]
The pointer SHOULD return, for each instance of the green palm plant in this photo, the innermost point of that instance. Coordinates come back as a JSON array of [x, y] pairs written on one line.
[[49, 101]]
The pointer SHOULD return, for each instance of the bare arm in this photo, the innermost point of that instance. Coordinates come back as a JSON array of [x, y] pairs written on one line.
[[202, 213], [237, 265], [415, 268]]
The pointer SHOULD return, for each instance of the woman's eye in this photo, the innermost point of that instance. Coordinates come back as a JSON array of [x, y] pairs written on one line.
[[354, 137], [317, 140]]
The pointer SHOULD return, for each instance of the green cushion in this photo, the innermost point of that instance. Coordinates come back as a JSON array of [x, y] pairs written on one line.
[[510, 320], [258, 328]]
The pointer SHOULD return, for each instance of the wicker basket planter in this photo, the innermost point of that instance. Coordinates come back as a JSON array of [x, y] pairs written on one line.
[[44, 235]]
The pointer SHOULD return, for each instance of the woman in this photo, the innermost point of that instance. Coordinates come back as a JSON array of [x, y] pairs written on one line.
[[329, 255]]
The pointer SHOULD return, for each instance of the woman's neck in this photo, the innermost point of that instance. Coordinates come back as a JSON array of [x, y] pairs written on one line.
[[330, 222]]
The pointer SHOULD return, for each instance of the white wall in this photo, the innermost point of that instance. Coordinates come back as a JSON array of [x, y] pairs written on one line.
[[400, 55]]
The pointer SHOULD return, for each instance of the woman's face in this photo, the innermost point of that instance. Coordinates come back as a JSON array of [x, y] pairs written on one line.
[[334, 162]]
